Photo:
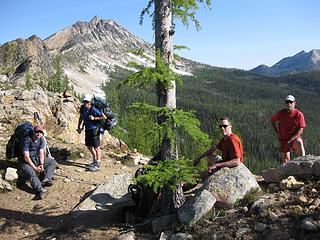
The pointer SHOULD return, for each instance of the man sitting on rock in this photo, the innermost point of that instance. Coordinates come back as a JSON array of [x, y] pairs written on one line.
[[33, 163], [230, 146]]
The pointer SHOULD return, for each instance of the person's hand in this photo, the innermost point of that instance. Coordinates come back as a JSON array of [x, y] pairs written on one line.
[[41, 167], [79, 130], [212, 167], [38, 169], [91, 117]]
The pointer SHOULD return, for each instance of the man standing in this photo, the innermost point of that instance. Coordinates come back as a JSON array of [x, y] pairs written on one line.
[[33, 163], [89, 118], [230, 146], [289, 129]]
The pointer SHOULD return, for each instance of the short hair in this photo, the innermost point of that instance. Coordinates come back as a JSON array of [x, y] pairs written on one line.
[[225, 118]]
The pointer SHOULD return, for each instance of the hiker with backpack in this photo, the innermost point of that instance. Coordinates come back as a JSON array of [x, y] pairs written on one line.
[[89, 119], [33, 165]]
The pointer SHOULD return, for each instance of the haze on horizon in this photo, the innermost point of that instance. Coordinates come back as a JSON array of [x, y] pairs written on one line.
[[234, 34]]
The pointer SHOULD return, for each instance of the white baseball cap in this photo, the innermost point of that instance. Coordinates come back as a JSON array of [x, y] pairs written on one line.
[[290, 98], [87, 98]]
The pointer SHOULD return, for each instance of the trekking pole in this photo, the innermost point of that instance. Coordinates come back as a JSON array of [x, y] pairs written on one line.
[[39, 122]]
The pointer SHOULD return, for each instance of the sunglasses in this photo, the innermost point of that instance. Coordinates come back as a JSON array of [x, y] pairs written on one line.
[[223, 126], [288, 101], [38, 132]]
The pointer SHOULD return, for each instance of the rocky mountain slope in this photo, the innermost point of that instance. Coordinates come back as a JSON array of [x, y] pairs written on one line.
[[25, 58], [89, 53], [301, 62]]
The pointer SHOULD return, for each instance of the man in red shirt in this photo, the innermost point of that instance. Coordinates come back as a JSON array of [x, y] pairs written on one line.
[[230, 146], [289, 129]]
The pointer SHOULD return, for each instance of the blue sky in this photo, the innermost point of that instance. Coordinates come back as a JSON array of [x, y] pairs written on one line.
[[235, 33]]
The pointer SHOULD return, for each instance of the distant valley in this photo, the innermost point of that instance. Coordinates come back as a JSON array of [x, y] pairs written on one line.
[[93, 54]]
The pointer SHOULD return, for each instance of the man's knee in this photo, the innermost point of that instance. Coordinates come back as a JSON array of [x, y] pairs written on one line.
[[297, 144], [285, 157], [298, 141], [26, 171]]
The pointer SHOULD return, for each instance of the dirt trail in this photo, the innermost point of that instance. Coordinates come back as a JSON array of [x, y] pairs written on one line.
[[21, 217]]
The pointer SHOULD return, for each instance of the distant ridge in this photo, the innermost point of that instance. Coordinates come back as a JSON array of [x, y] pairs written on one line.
[[301, 62], [89, 54]]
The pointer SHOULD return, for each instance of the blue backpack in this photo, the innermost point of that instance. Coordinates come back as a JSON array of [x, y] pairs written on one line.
[[13, 147], [101, 104]]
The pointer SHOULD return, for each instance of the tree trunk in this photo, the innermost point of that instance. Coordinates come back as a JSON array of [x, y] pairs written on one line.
[[166, 97]]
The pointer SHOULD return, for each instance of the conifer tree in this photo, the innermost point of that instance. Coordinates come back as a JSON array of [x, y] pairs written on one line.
[[164, 11]]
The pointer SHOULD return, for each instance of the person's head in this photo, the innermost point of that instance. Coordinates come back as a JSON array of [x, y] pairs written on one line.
[[225, 126], [38, 131], [86, 101], [290, 102]]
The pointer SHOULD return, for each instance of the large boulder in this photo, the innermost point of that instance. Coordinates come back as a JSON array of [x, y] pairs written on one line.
[[107, 201], [231, 184], [196, 207], [301, 167]]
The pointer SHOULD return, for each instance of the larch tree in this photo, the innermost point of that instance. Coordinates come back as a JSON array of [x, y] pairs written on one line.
[[164, 13]]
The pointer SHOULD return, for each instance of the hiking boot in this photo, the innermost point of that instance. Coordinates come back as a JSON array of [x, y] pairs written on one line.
[[47, 182], [92, 164], [42, 194], [95, 167]]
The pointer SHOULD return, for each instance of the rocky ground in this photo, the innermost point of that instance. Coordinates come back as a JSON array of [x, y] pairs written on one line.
[[277, 214], [22, 217], [272, 214]]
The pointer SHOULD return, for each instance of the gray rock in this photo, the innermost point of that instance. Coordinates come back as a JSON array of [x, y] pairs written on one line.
[[109, 198], [4, 185], [259, 227], [166, 235], [231, 184], [181, 236], [196, 207], [127, 236], [11, 174], [242, 231], [162, 223], [301, 167], [310, 224], [260, 205]]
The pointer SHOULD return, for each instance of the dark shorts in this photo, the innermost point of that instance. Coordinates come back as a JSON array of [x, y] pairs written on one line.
[[92, 138]]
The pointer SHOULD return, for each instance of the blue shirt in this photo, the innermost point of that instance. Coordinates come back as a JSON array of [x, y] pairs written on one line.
[[89, 124], [31, 146]]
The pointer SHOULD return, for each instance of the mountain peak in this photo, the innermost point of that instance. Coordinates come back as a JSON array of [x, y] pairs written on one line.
[[300, 62], [95, 20]]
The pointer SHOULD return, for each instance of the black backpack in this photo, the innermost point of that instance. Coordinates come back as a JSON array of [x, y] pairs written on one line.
[[101, 104], [13, 148]]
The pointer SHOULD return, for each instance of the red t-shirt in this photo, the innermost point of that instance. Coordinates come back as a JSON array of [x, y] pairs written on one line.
[[289, 123], [231, 148]]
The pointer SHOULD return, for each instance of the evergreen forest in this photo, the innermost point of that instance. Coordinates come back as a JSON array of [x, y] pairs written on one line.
[[248, 100]]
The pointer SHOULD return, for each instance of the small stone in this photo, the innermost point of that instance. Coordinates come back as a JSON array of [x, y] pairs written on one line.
[[259, 227], [274, 217], [302, 199], [11, 174], [242, 231], [244, 209], [310, 224], [316, 202]]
